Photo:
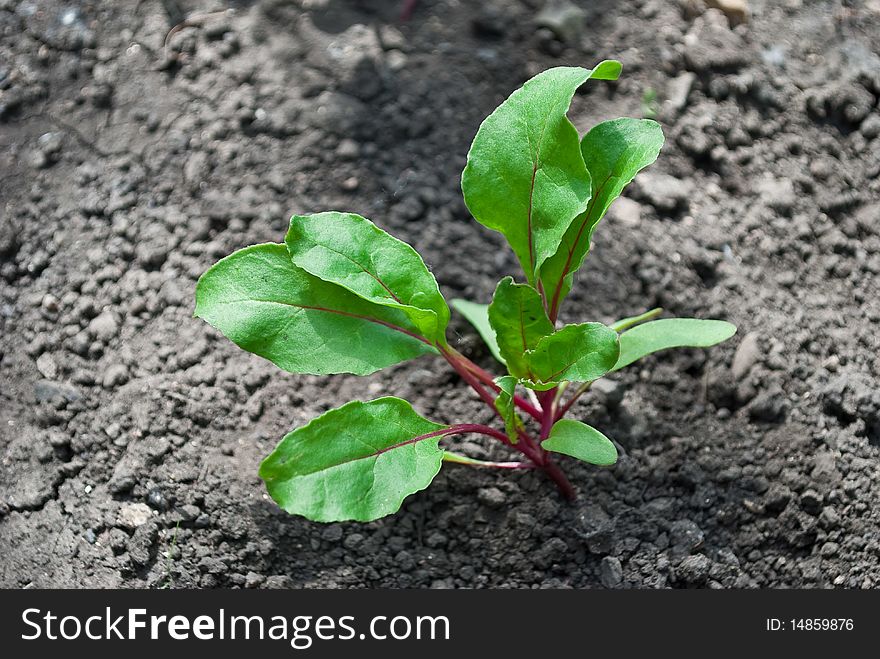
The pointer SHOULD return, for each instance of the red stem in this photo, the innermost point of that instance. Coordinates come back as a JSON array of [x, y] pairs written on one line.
[[486, 378]]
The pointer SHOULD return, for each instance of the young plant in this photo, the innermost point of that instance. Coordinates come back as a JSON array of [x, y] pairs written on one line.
[[342, 296]]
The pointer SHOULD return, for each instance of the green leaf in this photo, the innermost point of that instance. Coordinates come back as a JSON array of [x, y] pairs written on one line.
[[261, 301], [517, 315], [576, 353], [351, 251], [478, 316], [671, 333], [506, 407], [580, 441], [357, 462], [525, 176], [614, 152]]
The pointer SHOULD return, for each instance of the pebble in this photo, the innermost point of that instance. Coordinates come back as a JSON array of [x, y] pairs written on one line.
[[694, 570], [492, 497], [746, 356], [737, 11], [611, 572], [47, 366], [104, 326], [871, 126], [665, 193], [133, 515], [677, 91], [685, 536], [627, 212], [115, 375], [47, 390], [348, 149], [563, 18]]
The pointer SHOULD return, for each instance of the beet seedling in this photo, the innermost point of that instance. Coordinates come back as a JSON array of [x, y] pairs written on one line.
[[342, 296]]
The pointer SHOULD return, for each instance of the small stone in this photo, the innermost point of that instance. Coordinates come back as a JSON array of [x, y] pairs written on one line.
[[115, 375], [611, 572], [353, 541], [348, 149], [677, 91], [436, 540], [829, 519], [47, 390], [90, 537], [133, 515], [104, 326], [627, 212], [746, 356], [156, 499], [694, 570], [253, 580], [332, 533], [49, 303], [396, 60], [140, 545], [563, 18], [737, 11], [777, 194], [665, 193], [685, 536], [871, 127], [829, 550], [492, 497], [777, 498], [46, 366], [351, 183]]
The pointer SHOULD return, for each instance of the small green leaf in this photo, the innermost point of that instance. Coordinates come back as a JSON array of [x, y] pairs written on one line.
[[357, 462], [576, 353], [525, 176], [670, 333], [614, 152], [582, 442], [268, 306], [506, 407], [351, 251], [478, 316], [517, 315]]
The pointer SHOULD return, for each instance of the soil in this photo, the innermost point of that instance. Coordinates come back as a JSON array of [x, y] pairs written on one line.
[[131, 432]]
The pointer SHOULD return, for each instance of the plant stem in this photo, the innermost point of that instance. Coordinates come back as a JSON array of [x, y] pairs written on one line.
[[626, 323], [457, 458], [548, 412], [488, 379], [558, 476]]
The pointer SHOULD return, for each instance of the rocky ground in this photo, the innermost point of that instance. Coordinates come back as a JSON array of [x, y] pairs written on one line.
[[132, 156]]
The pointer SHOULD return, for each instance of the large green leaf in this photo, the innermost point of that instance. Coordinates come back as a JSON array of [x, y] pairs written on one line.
[[478, 316], [525, 175], [517, 315], [576, 353], [614, 152], [580, 441], [657, 335], [507, 408], [351, 251], [264, 303], [357, 462]]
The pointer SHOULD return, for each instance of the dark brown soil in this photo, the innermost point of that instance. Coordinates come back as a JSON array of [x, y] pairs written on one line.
[[131, 432]]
